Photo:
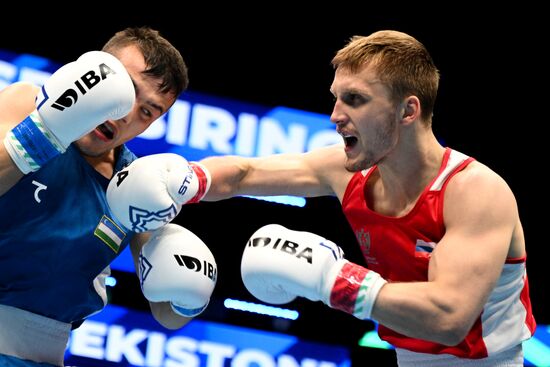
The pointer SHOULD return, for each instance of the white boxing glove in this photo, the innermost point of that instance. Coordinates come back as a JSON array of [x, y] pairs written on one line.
[[279, 264], [176, 266], [150, 191], [78, 97]]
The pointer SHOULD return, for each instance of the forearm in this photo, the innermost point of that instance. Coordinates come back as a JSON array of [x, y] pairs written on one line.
[[280, 174], [429, 310], [228, 173], [422, 310]]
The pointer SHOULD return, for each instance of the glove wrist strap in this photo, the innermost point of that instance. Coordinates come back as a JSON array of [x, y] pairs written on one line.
[[31, 145], [355, 290], [203, 175], [188, 312]]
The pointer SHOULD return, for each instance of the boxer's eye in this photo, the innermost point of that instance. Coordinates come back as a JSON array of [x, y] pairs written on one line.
[[146, 112]]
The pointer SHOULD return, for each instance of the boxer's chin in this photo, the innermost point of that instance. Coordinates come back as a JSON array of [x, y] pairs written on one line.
[[93, 146]]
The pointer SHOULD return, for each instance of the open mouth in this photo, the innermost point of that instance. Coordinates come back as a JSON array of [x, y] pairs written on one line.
[[349, 140], [106, 131]]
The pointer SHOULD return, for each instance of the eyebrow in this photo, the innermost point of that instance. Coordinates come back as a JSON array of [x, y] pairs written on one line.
[[356, 91], [353, 90], [155, 106], [150, 103]]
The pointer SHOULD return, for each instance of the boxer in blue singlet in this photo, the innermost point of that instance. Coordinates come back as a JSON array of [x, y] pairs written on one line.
[[62, 143]]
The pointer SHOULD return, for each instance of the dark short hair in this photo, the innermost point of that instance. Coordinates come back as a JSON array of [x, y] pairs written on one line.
[[163, 60]]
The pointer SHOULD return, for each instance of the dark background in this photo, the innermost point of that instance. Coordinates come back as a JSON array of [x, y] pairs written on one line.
[[490, 106]]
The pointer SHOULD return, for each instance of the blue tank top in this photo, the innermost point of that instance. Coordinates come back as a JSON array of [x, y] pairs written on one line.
[[56, 236]]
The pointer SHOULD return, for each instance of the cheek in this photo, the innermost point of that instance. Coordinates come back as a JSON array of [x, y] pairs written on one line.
[[138, 127], [126, 132], [379, 133]]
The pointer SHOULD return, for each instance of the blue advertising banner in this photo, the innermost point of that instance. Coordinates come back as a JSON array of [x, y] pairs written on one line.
[[121, 337]]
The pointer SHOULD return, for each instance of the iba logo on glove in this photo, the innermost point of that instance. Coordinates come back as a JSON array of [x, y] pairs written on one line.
[[189, 262], [86, 82], [192, 263], [286, 246]]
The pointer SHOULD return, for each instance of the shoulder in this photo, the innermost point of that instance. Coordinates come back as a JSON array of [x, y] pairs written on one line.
[[477, 189], [478, 176], [19, 89], [17, 101]]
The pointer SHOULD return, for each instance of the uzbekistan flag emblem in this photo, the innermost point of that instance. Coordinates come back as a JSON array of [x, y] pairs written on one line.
[[111, 234]]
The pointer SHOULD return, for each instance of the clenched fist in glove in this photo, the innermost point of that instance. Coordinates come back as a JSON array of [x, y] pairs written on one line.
[[176, 266], [78, 97], [150, 192], [279, 264]]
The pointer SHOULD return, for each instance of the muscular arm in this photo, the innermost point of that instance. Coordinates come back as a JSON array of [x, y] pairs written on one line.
[[464, 267], [162, 312], [16, 103], [316, 173]]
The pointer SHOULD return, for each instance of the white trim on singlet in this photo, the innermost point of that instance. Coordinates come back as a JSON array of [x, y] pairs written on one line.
[[366, 171], [455, 159], [512, 357], [503, 317]]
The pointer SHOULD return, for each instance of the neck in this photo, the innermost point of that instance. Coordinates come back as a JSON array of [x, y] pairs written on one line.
[[104, 164], [410, 167]]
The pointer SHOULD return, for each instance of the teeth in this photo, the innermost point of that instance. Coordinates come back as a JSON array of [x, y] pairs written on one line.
[[108, 128], [344, 135]]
